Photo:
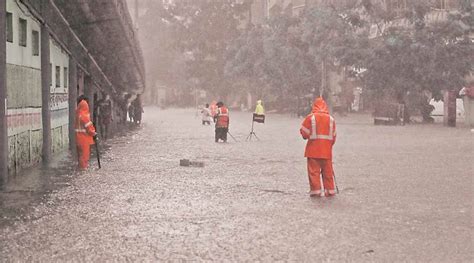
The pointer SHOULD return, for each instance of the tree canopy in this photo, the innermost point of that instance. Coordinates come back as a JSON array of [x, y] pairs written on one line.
[[204, 30], [393, 51]]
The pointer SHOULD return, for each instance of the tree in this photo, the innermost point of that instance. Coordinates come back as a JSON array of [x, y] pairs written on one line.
[[245, 60], [204, 30], [414, 56], [335, 37], [288, 67], [274, 60], [165, 64]]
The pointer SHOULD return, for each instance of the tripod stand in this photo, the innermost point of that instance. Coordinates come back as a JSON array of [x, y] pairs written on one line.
[[252, 133]]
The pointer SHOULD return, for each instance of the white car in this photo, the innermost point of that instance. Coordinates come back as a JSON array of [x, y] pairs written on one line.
[[439, 108]]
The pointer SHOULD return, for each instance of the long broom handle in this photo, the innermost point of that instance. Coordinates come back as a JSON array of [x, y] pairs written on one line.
[[335, 182], [97, 152], [231, 136]]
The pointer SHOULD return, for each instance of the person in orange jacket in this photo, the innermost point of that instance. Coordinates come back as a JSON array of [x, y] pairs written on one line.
[[222, 122], [213, 107], [319, 128], [85, 132]]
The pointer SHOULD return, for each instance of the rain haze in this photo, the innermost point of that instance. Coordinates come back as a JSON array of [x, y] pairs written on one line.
[[236, 130]]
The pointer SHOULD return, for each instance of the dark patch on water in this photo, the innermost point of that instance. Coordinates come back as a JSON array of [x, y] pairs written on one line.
[[32, 187], [275, 191]]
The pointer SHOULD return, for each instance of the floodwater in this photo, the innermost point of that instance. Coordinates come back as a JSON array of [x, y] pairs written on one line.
[[31, 188], [406, 195]]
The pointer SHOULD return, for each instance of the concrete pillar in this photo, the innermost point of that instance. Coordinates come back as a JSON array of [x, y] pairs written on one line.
[[45, 93], [3, 98], [72, 93], [89, 92]]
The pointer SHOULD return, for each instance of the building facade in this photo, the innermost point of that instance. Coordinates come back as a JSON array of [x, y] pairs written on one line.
[[23, 71], [52, 52]]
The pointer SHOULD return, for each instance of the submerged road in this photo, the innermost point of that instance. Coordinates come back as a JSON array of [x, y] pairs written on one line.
[[406, 195]]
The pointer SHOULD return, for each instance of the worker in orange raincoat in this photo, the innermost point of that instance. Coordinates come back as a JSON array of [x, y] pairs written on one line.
[[213, 107], [319, 128], [222, 122], [85, 132]]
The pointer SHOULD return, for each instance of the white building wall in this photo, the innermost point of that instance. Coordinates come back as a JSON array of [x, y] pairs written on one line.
[[58, 58], [59, 96], [16, 54], [24, 92]]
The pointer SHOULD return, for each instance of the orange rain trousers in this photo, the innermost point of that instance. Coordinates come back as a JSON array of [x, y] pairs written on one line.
[[316, 167], [84, 153]]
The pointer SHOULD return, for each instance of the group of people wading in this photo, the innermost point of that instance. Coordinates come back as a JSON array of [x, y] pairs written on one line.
[[218, 113], [318, 128], [135, 110]]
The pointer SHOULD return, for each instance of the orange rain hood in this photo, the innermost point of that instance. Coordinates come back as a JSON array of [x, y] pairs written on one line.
[[320, 105], [83, 107]]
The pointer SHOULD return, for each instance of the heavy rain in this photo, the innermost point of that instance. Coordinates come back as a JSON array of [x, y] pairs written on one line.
[[236, 130]]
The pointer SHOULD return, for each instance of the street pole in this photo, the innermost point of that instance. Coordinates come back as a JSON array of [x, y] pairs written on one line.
[[196, 100], [250, 3], [89, 93], [45, 93], [3, 97], [323, 78], [136, 15], [450, 108], [72, 94]]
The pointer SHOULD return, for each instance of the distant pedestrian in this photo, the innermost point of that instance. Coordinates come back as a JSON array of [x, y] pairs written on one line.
[[121, 113], [125, 108], [206, 115], [319, 128], [85, 132], [105, 116], [467, 95], [131, 112], [222, 122], [138, 110]]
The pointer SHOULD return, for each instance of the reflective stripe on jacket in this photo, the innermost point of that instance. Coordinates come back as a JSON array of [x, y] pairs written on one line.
[[222, 117]]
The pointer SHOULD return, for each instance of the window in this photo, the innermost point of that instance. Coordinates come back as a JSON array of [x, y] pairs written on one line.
[[447, 4], [9, 27], [23, 32], [58, 76], [35, 42], [66, 78]]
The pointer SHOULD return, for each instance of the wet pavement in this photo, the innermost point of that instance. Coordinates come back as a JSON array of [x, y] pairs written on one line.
[[406, 195]]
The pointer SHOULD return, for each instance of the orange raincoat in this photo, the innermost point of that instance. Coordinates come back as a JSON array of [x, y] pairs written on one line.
[[222, 117], [319, 128], [213, 108], [85, 132]]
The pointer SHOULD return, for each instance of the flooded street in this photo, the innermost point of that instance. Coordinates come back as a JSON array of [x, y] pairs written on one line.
[[405, 195]]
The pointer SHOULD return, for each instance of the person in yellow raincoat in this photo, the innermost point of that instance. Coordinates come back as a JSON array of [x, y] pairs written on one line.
[[259, 110]]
